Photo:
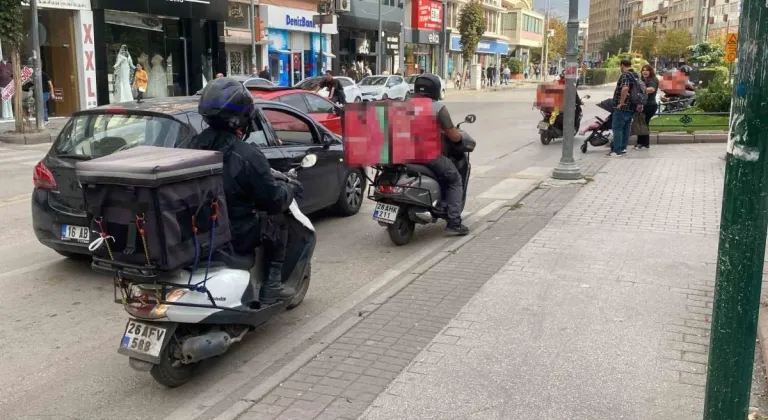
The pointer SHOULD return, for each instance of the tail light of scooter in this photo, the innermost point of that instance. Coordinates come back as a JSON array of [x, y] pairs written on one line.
[[145, 301], [390, 189]]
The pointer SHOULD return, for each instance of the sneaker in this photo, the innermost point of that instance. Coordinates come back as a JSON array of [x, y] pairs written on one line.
[[611, 154], [638, 147], [458, 230], [620, 154]]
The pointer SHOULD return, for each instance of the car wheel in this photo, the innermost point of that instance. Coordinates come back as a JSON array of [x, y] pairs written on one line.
[[74, 256], [407, 95], [384, 97], [351, 195], [358, 99], [442, 94]]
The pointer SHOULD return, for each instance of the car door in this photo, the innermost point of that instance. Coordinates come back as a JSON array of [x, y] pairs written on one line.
[[324, 112], [297, 135], [401, 88], [257, 138]]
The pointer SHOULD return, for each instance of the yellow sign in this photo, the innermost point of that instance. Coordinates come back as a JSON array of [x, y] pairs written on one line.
[[731, 47]]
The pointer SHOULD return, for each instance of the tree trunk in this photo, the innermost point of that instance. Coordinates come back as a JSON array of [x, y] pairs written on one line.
[[18, 110]]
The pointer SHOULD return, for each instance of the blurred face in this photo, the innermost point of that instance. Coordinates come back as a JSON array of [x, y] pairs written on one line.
[[139, 67], [646, 73], [328, 76]]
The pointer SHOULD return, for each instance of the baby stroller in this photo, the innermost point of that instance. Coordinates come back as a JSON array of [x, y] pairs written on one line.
[[599, 137]]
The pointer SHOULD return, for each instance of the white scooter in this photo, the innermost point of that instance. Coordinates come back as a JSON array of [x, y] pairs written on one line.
[[194, 315]]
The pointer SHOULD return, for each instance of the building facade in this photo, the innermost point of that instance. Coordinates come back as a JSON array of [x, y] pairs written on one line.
[[357, 41], [524, 29], [723, 18], [297, 48], [629, 12], [180, 43], [237, 39], [423, 36], [603, 23], [583, 39], [67, 52], [681, 14], [493, 44], [656, 19]]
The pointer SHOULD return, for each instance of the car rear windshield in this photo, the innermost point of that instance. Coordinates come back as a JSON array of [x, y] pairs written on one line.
[[312, 83], [373, 81], [96, 135]]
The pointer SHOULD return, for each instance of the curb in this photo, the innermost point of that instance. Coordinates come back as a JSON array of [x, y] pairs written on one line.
[[366, 306], [686, 138], [762, 335], [26, 138]]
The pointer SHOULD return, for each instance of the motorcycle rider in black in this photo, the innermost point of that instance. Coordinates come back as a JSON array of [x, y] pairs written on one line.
[[428, 85], [256, 202]]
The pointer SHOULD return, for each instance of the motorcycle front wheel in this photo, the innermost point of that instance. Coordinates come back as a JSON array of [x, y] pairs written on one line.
[[401, 232]]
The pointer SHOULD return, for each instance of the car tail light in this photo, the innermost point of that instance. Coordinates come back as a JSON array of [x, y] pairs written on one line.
[[43, 178]]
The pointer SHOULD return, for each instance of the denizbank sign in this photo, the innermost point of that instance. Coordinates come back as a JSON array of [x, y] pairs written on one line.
[[291, 19]]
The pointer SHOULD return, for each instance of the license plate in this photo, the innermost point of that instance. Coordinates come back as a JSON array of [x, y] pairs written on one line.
[[385, 213], [543, 125], [75, 233], [143, 338]]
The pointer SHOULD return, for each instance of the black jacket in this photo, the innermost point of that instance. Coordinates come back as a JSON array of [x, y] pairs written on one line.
[[248, 183]]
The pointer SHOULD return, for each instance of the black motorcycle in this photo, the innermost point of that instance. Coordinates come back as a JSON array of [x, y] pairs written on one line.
[[551, 126]]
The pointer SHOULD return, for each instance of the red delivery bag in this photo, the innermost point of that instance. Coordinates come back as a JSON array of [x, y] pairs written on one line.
[[391, 132]]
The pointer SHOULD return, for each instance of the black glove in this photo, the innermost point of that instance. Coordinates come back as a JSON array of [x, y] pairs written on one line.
[[298, 188]]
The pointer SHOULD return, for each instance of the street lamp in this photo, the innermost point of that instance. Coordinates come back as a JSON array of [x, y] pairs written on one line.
[[567, 168]]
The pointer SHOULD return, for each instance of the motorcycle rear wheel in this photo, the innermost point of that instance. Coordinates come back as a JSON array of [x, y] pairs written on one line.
[[401, 232], [171, 372], [545, 138], [302, 290]]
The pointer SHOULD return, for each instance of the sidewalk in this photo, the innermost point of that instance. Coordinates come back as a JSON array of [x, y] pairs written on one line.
[[604, 314]]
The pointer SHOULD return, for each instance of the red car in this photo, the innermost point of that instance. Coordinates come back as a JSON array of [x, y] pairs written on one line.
[[320, 109]]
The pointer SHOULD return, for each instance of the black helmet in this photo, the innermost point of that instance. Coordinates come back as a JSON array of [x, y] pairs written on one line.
[[226, 104], [427, 84], [686, 69]]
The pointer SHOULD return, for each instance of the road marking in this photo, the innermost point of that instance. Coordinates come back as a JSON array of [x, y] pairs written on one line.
[[508, 189], [29, 269], [5, 202], [17, 158]]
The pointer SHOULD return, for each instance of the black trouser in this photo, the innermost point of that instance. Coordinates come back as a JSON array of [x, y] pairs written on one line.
[[649, 111], [139, 96], [453, 188], [269, 231]]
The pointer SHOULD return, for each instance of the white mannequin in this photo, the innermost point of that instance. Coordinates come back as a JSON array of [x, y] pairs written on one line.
[[124, 68], [7, 107], [157, 85]]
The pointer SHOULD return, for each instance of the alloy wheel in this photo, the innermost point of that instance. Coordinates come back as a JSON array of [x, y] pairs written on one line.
[[354, 190]]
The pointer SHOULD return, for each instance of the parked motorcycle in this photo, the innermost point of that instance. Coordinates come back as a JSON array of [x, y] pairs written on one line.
[[551, 126], [407, 195], [671, 102], [193, 315]]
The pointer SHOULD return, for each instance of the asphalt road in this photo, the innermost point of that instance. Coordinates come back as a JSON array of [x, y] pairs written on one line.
[[60, 328]]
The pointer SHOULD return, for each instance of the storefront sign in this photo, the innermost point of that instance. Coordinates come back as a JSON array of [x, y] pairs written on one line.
[[427, 37], [10, 90], [61, 4], [363, 46], [293, 19], [427, 14], [391, 43], [86, 60], [483, 47]]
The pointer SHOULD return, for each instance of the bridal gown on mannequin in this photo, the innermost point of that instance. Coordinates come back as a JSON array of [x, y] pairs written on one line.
[[6, 77], [157, 82], [123, 69]]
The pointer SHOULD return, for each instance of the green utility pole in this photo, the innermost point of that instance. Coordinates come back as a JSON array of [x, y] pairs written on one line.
[[742, 227]]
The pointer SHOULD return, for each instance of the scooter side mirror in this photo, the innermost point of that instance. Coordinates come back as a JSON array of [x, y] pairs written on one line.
[[470, 119], [309, 160]]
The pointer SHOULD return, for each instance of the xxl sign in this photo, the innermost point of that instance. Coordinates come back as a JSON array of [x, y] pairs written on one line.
[[86, 60]]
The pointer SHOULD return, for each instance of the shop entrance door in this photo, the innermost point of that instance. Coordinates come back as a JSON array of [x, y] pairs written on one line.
[[178, 76], [297, 67]]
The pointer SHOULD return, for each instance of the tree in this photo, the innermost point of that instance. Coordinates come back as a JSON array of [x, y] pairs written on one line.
[[13, 36], [558, 40], [471, 28], [646, 42], [615, 44], [675, 44], [706, 54], [514, 64]]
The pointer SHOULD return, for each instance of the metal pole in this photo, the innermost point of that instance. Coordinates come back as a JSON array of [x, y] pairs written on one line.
[[380, 46], [567, 168], [743, 225], [253, 34], [444, 43], [320, 54], [38, 68], [544, 63]]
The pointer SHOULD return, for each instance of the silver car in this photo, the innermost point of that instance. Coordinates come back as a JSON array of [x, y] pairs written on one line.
[[375, 88], [412, 78]]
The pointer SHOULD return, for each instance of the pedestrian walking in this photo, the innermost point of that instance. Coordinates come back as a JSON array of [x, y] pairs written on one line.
[[621, 120], [48, 94], [264, 74], [506, 75], [650, 107], [483, 77], [140, 82]]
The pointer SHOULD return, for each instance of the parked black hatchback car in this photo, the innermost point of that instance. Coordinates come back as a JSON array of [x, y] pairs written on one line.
[[286, 135]]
